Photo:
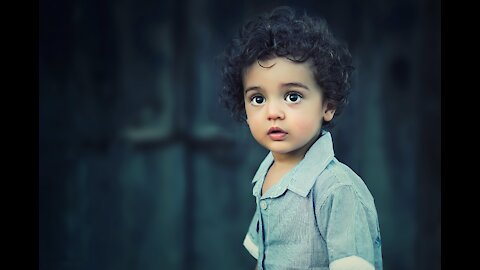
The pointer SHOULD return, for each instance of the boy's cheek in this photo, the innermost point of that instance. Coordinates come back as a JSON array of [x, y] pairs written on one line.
[[307, 126]]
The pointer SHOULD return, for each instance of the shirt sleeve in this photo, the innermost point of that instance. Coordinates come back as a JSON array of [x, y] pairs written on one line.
[[343, 222], [252, 237]]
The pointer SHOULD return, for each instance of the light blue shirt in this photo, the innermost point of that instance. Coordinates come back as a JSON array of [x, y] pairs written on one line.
[[320, 215]]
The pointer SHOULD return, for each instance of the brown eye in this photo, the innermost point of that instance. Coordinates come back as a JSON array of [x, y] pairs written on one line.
[[293, 97], [257, 100]]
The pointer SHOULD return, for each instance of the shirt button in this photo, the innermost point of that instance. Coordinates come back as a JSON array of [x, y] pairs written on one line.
[[263, 205]]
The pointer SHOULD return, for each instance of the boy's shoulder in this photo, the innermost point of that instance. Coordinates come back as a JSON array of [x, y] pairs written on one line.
[[338, 177]]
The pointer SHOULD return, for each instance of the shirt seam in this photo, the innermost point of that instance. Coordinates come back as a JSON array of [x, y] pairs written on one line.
[[330, 191]]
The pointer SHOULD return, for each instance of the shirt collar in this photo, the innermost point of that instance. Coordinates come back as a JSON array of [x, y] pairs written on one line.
[[302, 177], [261, 173]]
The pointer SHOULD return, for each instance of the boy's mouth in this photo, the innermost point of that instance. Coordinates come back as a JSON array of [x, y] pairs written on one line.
[[276, 133]]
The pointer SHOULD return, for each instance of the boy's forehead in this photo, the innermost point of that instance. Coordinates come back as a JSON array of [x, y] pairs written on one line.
[[273, 60], [288, 69]]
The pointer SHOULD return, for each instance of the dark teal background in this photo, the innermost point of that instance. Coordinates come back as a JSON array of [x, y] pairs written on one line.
[[140, 168]]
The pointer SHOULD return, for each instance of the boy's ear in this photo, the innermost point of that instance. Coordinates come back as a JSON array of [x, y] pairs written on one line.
[[328, 112], [328, 115]]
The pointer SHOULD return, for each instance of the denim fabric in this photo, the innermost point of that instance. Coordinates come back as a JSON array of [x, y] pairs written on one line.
[[318, 213]]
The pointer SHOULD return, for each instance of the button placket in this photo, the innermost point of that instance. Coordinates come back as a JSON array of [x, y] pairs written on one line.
[[263, 205]]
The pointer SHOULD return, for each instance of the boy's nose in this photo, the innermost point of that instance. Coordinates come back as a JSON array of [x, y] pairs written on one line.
[[275, 112]]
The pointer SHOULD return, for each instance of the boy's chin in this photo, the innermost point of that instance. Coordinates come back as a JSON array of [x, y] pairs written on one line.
[[282, 149]]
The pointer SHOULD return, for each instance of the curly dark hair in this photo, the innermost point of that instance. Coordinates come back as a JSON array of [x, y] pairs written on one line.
[[281, 33]]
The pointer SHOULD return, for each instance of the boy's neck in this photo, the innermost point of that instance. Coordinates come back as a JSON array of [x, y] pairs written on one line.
[[293, 158], [287, 160]]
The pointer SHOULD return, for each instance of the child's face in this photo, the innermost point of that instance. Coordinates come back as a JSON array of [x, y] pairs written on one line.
[[284, 96]]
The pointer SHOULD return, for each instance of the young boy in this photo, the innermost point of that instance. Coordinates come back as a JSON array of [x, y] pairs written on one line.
[[287, 77]]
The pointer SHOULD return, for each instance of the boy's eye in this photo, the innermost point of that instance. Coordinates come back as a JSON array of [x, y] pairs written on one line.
[[257, 100], [293, 97]]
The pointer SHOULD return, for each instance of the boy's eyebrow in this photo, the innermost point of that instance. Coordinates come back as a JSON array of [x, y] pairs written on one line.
[[295, 84], [284, 85], [252, 88]]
